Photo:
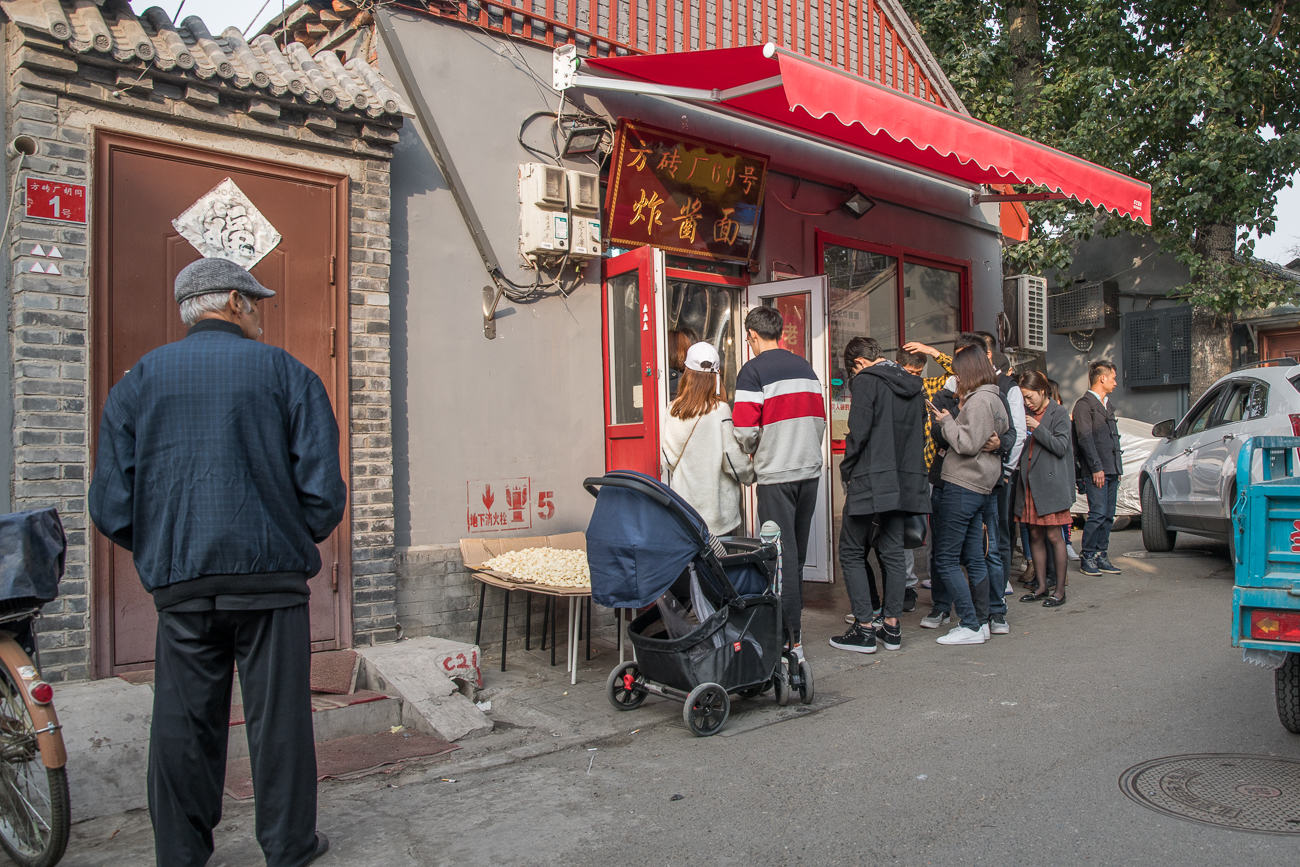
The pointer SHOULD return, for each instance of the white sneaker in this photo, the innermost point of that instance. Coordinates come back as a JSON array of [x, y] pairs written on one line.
[[961, 635], [984, 631], [849, 618], [1070, 552], [935, 619]]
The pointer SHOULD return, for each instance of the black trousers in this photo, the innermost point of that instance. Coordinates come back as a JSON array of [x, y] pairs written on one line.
[[791, 506], [855, 531], [193, 670]]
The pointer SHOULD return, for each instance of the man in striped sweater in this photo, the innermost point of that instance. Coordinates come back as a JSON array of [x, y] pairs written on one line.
[[780, 419]]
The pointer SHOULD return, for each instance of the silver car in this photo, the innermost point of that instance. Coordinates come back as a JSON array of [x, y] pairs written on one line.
[[1189, 483]]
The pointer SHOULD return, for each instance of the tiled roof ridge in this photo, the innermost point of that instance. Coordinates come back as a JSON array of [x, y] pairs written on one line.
[[108, 31]]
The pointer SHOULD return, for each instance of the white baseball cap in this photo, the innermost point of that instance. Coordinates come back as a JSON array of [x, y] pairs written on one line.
[[703, 357]]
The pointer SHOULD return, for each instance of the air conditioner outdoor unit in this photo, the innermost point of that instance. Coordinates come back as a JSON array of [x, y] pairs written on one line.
[[544, 230], [1024, 299]]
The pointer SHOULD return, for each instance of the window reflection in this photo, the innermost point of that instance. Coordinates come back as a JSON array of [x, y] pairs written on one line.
[[625, 388], [931, 305], [863, 301], [708, 313]]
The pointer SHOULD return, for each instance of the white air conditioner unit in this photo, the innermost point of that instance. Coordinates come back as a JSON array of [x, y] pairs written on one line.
[[544, 230], [1025, 301]]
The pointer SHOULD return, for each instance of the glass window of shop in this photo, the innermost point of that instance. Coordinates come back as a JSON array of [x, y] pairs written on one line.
[[702, 312], [868, 290]]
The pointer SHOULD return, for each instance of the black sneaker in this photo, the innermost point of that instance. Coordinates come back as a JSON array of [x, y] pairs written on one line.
[[857, 639], [909, 599], [1104, 565], [1088, 565], [890, 636]]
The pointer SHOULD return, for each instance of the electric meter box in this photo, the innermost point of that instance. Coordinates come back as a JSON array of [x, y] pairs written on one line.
[[584, 203], [544, 230]]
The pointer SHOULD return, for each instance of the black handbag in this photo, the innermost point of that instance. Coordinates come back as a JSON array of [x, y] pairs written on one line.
[[914, 530]]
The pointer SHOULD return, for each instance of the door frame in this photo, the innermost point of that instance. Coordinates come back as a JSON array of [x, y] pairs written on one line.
[[819, 346], [106, 143]]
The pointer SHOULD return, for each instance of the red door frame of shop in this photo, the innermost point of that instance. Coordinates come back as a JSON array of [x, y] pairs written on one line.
[[642, 260], [903, 255]]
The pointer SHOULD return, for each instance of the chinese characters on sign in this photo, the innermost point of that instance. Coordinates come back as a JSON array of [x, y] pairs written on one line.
[[505, 504], [683, 195], [55, 200]]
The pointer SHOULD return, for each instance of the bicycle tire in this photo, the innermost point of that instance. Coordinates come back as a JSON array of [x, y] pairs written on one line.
[[28, 850]]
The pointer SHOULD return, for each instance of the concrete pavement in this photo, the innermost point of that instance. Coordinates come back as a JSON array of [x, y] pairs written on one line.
[[1004, 753]]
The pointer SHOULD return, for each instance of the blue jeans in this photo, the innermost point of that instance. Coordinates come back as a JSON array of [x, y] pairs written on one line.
[[939, 598], [1101, 515], [999, 536], [960, 542]]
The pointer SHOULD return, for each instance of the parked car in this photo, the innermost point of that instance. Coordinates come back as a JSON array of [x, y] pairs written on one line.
[[1189, 484]]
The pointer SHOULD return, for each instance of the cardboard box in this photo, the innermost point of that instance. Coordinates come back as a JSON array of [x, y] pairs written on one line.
[[476, 552]]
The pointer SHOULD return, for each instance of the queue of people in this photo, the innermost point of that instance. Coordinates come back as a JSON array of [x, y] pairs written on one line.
[[951, 463]]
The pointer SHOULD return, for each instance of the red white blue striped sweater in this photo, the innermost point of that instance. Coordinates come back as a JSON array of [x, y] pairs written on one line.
[[780, 417]]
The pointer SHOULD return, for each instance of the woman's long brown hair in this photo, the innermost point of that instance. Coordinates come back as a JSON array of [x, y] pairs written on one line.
[[972, 368], [696, 395]]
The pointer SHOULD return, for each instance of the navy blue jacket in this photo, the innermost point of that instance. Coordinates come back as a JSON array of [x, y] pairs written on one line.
[[218, 465]]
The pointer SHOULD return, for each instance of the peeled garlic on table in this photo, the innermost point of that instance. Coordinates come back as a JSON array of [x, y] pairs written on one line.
[[550, 566]]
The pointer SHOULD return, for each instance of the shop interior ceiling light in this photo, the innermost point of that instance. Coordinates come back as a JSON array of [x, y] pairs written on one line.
[[858, 205], [582, 140]]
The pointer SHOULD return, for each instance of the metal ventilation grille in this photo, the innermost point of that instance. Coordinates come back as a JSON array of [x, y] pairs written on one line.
[[1085, 307], [1157, 347], [1035, 322]]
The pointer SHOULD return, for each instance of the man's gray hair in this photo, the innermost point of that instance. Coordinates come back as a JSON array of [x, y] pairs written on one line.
[[196, 307]]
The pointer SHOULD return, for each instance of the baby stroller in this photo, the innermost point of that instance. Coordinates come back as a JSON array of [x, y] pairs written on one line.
[[714, 626]]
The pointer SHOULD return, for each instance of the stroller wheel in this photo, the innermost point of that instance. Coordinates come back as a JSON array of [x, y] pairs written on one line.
[[624, 688], [706, 709], [805, 682], [753, 691], [781, 680]]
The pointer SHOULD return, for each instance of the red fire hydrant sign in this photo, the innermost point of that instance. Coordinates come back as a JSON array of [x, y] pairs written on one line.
[[56, 200], [499, 505]]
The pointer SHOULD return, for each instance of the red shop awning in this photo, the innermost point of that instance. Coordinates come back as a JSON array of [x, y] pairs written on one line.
[[777, 87]]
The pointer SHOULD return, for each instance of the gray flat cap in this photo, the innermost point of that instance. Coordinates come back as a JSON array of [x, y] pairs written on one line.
[[217, 275]]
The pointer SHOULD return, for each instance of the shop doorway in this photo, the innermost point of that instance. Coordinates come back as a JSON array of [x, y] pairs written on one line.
[[802, 304], [141, 185], [655, 307]]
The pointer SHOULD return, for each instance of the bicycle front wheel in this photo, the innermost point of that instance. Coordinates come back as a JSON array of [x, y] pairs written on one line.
[[35, 814]]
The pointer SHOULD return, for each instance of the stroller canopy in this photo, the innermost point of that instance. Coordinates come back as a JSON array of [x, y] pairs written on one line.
[[641, 537]]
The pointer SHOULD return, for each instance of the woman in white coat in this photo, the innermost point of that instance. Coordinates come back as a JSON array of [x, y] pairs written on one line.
[[702, 459]]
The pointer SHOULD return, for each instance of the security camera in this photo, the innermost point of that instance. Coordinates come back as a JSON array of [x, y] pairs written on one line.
[[23, 145]]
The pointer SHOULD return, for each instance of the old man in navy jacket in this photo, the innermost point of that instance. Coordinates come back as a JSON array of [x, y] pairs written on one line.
[[218, 469]]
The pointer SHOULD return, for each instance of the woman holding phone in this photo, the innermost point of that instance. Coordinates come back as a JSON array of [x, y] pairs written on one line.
[[970, 470], [1046, 488]]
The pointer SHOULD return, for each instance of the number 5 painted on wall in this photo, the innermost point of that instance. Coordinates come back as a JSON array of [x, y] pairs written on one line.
[[545, 506]]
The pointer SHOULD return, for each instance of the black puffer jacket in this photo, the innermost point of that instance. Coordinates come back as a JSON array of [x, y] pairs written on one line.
[[884, 453]]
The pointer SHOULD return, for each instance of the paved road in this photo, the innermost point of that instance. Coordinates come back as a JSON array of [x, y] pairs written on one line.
[[1007, 753]]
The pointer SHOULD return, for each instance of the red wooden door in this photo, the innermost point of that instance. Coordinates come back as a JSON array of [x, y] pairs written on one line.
[[632, 376], [140, 187]]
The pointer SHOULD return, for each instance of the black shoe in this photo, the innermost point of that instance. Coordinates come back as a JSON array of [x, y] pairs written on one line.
[[322, 846], [1054, 601], [1104, 565], [909, 599], [890, 636], [1088, 565], [859, 639]]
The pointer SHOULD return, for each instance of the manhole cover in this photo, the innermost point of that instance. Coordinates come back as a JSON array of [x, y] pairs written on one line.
[[1245, 793], [1157, 555]]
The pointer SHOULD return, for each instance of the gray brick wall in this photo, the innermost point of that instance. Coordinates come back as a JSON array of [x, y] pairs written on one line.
[[59, 102]]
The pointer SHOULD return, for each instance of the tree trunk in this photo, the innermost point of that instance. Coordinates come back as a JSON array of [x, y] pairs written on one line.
[[1211, 331], [1025, 39]]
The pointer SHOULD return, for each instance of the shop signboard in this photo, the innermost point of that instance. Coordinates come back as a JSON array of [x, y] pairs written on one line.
[[683, 195]]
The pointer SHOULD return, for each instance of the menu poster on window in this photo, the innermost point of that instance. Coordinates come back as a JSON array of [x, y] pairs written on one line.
[[683, 195]]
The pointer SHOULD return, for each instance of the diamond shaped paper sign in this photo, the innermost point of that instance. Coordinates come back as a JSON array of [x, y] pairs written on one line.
[[225, 224]]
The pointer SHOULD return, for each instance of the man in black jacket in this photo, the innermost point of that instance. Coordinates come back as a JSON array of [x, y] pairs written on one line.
[[218, 469], [1097, 448], [885, 480]]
